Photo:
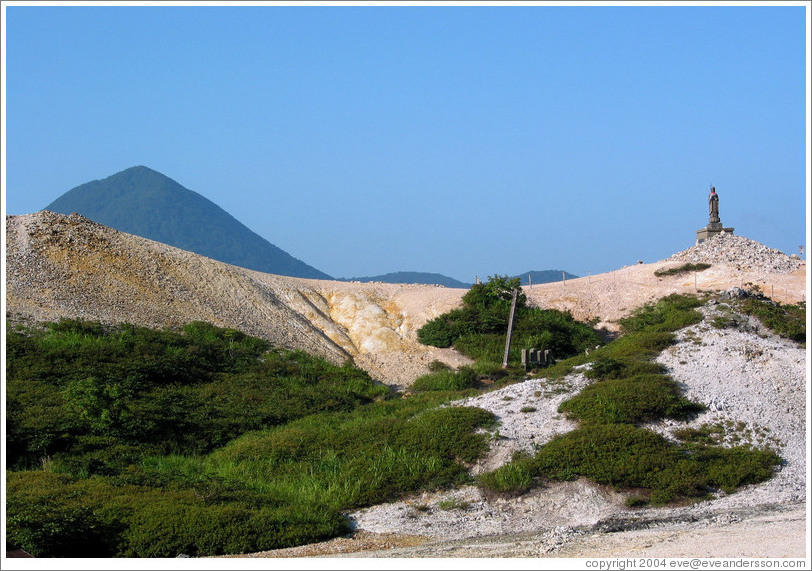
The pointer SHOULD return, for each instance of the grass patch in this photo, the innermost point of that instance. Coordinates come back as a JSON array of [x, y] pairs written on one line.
[[453, 504], [447, 380], [683, 269], [668, 314], [631, 400], [786, 320], [630, 458]]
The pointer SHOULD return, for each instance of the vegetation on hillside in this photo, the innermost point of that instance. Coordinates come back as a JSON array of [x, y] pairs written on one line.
[[124, 441], [683, 269], [611, 445], [478, 329], [786, 320]]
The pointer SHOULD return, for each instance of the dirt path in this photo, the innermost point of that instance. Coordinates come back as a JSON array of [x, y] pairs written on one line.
[[769, 531]]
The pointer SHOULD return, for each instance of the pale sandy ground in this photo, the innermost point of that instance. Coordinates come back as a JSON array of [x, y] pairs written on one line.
[[776, 533]]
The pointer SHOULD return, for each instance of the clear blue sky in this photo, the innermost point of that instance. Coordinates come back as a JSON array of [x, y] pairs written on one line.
[[463, 140]]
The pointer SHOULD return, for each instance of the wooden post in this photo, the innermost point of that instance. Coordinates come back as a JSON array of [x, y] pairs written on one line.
[[510, 329]]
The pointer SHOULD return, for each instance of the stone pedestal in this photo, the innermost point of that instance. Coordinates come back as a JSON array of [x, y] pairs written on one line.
[[711, 230]]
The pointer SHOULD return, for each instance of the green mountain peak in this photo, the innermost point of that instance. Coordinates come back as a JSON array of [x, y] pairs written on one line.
[[144, 202]]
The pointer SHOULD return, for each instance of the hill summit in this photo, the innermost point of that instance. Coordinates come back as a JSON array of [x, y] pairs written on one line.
[[146, 203]]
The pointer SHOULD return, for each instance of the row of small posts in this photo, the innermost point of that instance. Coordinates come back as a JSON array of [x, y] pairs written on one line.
[[536, 358]]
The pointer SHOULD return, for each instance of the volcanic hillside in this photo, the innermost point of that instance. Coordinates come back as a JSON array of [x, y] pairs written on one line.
[[68, 266]]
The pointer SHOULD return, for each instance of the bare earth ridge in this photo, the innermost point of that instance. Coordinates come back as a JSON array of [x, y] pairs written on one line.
[[67, 266]]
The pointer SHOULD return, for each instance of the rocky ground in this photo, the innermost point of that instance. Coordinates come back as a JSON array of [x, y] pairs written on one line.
[[751, 381]]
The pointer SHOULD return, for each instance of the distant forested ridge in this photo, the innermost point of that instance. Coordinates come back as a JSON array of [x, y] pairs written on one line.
[[146, 203]]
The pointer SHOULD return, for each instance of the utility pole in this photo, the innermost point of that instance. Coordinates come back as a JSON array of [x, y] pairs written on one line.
[[510, 329]]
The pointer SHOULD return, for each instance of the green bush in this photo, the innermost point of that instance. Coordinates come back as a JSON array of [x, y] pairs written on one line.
[[627, 457], [447, 433], [48, 517], [615, 454], [514, 478], [442, 331], [786, 320], [636, 347], [186, 391], [604, 367], [731, 468], [668, 314], [630, 400], [166, 530], [685, 268], [479, 327]]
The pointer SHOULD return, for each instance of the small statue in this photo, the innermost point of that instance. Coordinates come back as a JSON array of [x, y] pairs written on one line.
[[713, 202]]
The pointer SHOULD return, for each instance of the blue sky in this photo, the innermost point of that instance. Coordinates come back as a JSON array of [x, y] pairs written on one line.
[[463, 140]]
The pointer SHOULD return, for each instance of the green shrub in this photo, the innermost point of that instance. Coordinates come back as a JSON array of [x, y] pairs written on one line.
[[668, 314], [685, 268], [636, 347], [479, 327], [514, 478], [442, 331], [615, 454], [169, 530], [166, 391], [786, 320], [49, 517], [730, 468], [604, 367], [631, 400]]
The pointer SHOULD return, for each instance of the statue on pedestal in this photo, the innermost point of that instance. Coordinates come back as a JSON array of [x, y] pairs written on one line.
[[714, 227], [713, 203]]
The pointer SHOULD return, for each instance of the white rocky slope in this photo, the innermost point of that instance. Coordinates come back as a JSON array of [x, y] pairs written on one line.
[[739, 252]]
